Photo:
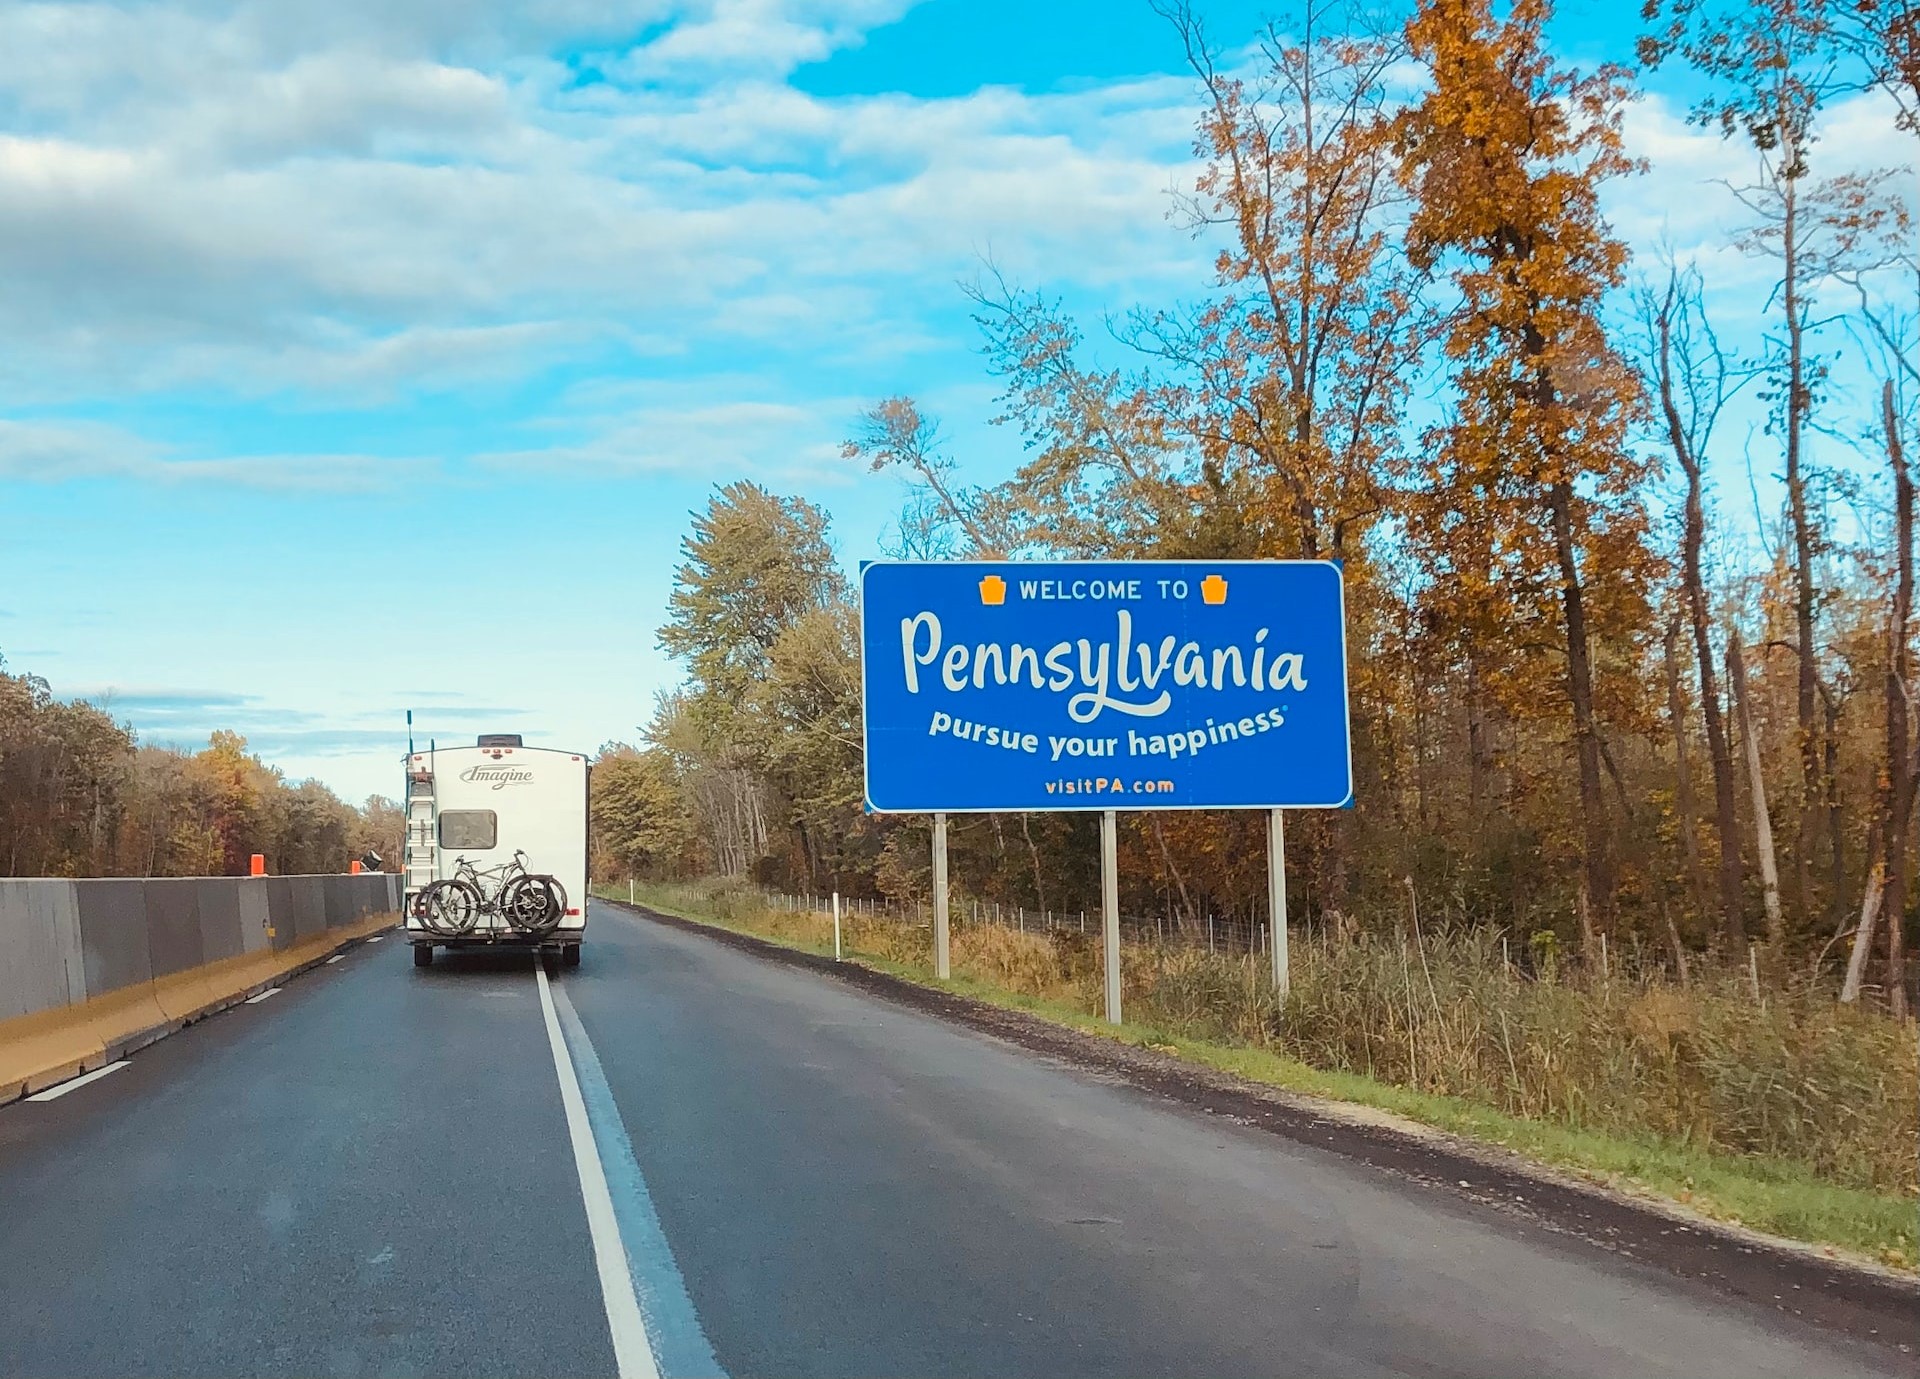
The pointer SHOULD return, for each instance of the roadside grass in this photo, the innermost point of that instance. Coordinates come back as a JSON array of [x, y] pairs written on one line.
[[1188, 1016]]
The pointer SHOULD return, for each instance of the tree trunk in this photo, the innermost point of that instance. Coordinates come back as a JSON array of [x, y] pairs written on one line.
[[1836, 842], [1762, 822], [1863, 936], [1700, 614], [1599, 875], [1173, 870], [1476, 747], [1899, 801], [1682, 768], [1798, 405], [1033, 852], [1680, 965]]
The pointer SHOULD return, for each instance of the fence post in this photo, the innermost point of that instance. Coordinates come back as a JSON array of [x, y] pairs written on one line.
[[836, 926], [1110, 905]]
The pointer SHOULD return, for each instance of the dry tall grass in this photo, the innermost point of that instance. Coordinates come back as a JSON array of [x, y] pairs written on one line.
[[1791, 1075]]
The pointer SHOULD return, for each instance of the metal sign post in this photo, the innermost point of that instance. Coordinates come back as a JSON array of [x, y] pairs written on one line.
[[1110, 909], [1277, 897], [941, 965], [836, 926]]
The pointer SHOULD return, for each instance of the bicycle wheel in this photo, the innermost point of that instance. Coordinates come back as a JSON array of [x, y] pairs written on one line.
[[449, 908], [533, 904]]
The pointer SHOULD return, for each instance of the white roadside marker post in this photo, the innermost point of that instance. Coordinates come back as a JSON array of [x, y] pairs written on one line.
[[836, 926], [1277, 899], [941, 967], [1110, 909]]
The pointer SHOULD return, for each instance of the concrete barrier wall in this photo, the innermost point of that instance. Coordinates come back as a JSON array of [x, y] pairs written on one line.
[[113, 934], [91, 966], [40, 962], [173, 927], [66, 941], [256, 914], [219, 903]]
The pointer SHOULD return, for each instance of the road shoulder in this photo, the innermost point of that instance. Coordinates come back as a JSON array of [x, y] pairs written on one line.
[[1853, 1298]]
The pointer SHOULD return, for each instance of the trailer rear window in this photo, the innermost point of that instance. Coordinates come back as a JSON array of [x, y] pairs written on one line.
[[469, 830]]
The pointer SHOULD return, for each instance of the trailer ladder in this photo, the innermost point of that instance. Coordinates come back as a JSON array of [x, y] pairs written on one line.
[[423, 833]]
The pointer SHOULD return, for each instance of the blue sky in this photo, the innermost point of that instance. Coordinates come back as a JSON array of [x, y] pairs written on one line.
[[359, 355]]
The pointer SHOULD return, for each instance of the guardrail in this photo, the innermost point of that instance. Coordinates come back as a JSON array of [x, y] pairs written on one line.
[[92, 969]]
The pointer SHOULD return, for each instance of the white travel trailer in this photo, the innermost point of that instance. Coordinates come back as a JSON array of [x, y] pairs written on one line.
[[485, 812]]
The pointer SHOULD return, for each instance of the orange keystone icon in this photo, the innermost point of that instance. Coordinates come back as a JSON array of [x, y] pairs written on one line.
[[993, 591], [1213, 589]]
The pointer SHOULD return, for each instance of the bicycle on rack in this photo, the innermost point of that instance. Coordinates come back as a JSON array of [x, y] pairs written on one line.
[[530, 903]]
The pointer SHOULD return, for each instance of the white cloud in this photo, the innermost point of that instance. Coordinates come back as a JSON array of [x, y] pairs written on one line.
[[1685, 200], [709, 430], [355, 200], [52, 452], [349, 202], [762, 36]]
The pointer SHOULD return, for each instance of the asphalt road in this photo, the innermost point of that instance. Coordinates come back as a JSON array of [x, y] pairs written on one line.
[[736, 1166]]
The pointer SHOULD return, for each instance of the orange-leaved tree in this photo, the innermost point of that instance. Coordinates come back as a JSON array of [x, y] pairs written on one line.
[[1300, 366], [1532, 526]]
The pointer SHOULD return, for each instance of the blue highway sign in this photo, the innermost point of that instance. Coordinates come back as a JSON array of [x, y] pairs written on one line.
[[1062, 685]]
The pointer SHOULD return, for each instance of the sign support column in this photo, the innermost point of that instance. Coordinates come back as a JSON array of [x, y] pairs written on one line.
[[1277, 898], [941, 966], [1110, 909]]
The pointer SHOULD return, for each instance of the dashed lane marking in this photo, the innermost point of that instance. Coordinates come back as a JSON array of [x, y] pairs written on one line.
[[256, 1000], [55, 1093]]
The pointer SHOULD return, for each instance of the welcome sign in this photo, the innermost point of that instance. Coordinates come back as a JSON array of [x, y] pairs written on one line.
[[1087, 685]]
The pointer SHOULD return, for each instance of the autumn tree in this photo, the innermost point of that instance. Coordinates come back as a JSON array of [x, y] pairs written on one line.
[[62, 771], [1505, 154], [942, 517], [1299, 364], [752, 563], [1884, 35], [1774, 65], [1106, 474], [640, 822], [1693, 379], [765, 734]]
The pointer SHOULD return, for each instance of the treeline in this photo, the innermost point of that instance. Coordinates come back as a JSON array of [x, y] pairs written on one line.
[[1584, 699], [79, 796]]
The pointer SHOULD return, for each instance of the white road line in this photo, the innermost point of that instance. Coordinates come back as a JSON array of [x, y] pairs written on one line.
[[632, 1351], [256, 1000], [335, 958], [376, 938], [55, 1093]]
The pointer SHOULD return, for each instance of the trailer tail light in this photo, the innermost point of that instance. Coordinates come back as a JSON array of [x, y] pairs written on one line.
[[574, 911]]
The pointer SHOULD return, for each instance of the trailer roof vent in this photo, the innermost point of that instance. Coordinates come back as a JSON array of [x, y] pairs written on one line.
[[500, 740]]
